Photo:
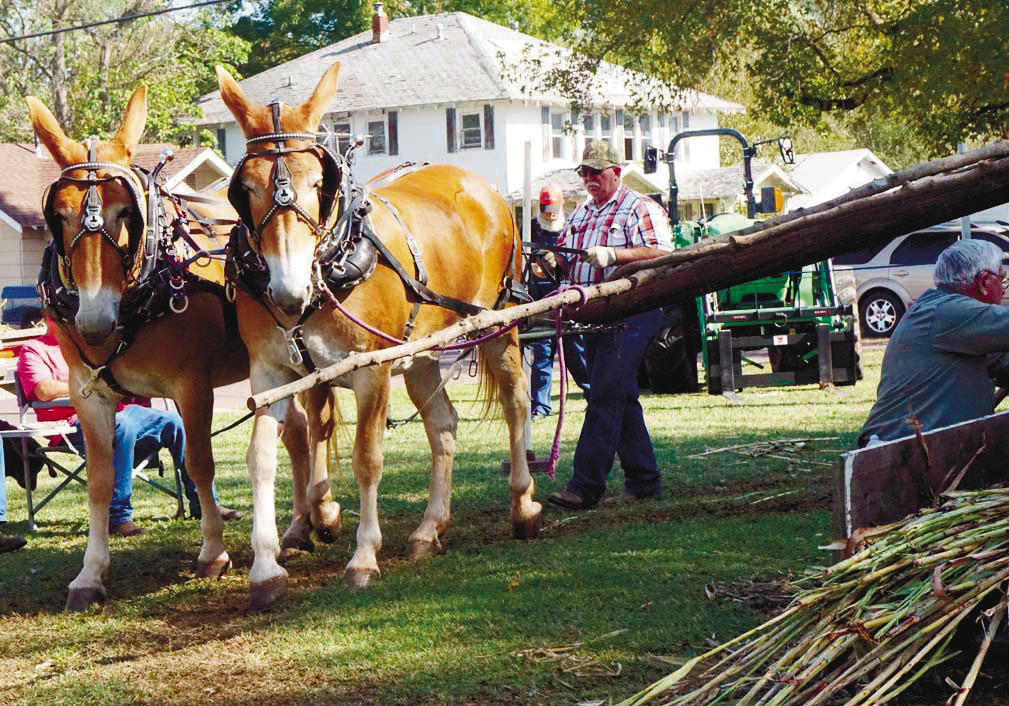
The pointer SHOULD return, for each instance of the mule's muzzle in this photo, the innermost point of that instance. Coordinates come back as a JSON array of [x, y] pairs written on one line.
[[289, 303], [95, 333]]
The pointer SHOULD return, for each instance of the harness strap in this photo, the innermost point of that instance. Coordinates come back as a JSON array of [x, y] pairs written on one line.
[[421, 290]]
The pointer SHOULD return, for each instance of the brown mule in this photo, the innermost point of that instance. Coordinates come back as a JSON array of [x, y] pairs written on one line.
[[98, 215], [294, 196]]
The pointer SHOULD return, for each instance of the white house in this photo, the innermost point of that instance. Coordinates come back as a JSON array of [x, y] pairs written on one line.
[[449, 88], [827, 175], [26, 171]]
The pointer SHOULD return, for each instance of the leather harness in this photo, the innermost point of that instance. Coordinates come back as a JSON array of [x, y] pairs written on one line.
[[163, 277], [347, 251]]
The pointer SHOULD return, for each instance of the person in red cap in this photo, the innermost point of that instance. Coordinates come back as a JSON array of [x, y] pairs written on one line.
[[546, 227]]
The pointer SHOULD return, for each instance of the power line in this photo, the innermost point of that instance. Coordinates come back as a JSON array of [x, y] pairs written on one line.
[[118, 20]]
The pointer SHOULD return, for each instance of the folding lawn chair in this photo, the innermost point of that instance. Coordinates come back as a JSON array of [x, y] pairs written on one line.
[[35, 456]]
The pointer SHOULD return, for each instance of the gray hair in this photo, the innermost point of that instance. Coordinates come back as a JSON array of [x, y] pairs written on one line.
[[964, 260]]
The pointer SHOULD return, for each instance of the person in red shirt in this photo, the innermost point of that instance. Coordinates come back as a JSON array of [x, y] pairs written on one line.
[[140, 430]]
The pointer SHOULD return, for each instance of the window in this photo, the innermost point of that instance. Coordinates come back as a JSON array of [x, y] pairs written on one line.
[[661, 119], [605, 127], [471, 132], [859, 257], [645, 123], [922, 248], [557, 135], [686, 120], [588, 123], [222, 142], [376, 137], [341, 137], [1001, 242], [628, 136]]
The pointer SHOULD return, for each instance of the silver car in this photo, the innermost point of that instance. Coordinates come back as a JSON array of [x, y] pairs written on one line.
[[890, 277]]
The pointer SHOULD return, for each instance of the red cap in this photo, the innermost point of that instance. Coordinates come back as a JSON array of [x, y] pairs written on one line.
[[551, 199]]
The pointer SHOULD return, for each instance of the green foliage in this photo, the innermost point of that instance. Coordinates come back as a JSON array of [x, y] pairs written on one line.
[[934, 70], [86, 76]]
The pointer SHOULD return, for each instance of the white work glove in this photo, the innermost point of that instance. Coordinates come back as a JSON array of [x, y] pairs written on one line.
[[601, 256]]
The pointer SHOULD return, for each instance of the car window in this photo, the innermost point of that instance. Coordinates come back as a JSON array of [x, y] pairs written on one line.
[[1001, 242], [860, 256], [922, 248]]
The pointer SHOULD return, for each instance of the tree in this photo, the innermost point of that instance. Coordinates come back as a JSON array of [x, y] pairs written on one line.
[[87, 75], [938, 67]]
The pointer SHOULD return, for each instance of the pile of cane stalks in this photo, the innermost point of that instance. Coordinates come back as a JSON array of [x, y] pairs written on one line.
[[864, 629]]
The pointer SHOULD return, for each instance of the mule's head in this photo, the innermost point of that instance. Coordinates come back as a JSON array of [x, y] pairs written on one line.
[[95, 215], [284, 189]]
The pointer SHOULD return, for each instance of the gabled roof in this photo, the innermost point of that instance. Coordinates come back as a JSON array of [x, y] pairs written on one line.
[[723, 182], [431, 59], [816, 170], [24, 176]]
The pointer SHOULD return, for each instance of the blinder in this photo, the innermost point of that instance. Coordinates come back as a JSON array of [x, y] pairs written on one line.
[[284, 195], [91, 218]]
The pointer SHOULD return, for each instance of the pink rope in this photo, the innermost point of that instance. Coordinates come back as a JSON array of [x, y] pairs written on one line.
[[555, 447]]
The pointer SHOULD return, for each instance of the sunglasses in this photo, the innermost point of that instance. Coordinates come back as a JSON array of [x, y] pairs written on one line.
[[584, 171]]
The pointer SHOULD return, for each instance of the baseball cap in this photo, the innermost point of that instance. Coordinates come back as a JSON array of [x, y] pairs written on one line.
[[600, 154]]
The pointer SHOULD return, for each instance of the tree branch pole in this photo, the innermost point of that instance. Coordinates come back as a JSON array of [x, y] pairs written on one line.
[[915, 198], [478, 322]]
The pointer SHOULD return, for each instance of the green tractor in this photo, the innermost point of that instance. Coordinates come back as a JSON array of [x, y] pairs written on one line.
[[796, 316]]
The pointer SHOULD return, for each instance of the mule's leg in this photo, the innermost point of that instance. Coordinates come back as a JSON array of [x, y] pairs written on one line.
[[295, 439], [322, 417], [306, 437], [268, 579], [371, 390], [196, 406], [97, 417], [440, 422], [504, 360]]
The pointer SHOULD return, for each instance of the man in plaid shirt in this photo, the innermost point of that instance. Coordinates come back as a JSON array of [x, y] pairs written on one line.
[[615, 226]]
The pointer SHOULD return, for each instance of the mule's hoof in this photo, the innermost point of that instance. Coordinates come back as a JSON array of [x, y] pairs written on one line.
[[83, 598], [213, 570], [262, 596], [528, 528], [360, 579], [425, 550], [298, 542], [328, 533]]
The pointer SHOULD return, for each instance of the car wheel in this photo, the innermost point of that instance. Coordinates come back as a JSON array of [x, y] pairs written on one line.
[[880, 313]]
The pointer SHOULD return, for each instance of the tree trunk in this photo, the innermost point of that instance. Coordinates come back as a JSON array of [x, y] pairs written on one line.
[[915, 198]]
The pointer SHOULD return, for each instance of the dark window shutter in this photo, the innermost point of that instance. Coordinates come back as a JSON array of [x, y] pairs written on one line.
[[450, 128], [393, 117], [488, 127]]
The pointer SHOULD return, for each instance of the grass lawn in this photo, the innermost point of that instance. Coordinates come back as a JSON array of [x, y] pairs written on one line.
[[604, 603]]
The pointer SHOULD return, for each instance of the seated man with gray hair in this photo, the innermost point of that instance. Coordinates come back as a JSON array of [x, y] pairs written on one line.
[[945, 352]]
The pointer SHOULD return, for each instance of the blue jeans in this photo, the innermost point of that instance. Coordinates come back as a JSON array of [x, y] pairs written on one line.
[[139, 432], [614, 423], [541, 369]]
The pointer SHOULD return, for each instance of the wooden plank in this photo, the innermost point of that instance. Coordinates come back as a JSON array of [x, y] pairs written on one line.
[[885, 483]]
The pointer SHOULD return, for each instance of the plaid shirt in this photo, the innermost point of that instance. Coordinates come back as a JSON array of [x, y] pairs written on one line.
[[627, 220]]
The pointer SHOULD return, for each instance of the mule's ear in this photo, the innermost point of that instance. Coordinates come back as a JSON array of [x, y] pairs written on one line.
[[134, 119], [241, 107], [49, 131], [312, 110]]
